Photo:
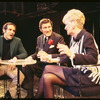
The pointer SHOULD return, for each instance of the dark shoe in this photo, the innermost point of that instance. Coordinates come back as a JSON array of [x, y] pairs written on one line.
[[7, 95], [30, 93], [29, 96]]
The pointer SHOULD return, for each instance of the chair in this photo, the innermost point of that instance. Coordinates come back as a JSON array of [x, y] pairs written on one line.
[[4, 78]]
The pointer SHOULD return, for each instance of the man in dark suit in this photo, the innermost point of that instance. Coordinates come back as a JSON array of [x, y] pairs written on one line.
[[46, 46], [11, 48]]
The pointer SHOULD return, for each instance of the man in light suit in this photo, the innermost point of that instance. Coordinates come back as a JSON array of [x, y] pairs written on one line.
[[44, 48], [11, 48]]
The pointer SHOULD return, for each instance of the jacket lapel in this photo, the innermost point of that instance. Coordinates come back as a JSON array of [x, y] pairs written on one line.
[[12, 47], [46, 47], [41, 43]]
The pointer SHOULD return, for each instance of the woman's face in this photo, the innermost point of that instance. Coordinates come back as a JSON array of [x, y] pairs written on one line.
[[69, 27]]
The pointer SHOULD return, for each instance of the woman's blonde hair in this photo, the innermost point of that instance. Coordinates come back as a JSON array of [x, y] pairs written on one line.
[[75, 15]]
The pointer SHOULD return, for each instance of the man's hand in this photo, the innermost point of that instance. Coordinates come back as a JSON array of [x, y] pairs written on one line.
[[41, 54], [0, 60], [28, 59], [44, 57], [13, 60], [11, 67]]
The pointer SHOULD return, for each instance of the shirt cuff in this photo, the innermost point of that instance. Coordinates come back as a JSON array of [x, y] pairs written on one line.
[[50, 55]]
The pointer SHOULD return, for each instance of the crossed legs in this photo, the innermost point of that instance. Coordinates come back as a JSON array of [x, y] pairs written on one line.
[[52, 75]]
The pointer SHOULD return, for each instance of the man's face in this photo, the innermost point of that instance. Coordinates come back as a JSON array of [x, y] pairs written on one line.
[[9, 32], [46, 29]]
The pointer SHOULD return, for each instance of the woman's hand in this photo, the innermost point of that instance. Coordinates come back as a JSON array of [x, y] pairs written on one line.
[[64, 49]]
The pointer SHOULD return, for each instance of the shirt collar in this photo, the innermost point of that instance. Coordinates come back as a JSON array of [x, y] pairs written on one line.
[[46, 37], [79, 35]]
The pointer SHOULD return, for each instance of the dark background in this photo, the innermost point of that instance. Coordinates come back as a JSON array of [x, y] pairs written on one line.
[[26, 16]]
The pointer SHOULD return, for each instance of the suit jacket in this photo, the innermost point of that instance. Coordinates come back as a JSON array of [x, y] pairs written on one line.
[[87, 50], [39, 66], [16, 48], [50, 49]]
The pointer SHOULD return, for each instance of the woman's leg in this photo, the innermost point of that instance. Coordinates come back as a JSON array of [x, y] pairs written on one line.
[[49, 80], [57, 70], [39, 93]]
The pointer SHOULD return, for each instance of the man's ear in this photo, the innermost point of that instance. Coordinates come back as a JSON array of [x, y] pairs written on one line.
[[4, 30], [41, 30]]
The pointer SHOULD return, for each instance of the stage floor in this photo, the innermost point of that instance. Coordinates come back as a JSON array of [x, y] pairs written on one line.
[[58, 92], [23, 92]]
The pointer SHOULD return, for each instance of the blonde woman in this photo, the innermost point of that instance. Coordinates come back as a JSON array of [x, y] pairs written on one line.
[[81, 51]]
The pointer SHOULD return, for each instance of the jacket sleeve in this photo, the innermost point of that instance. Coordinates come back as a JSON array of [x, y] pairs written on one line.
[[34, 55], [91, 56], [22, 53]]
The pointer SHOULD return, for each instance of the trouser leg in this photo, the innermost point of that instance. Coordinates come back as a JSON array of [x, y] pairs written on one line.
[[13, 86], [28, 81], [29, 72], [2, 70]]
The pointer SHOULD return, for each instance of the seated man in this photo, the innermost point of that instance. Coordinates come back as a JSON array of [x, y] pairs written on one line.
[[46, 46], [11, 47], [83, 51]]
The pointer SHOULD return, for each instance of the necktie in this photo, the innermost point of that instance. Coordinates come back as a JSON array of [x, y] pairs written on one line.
[[45, 40]]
